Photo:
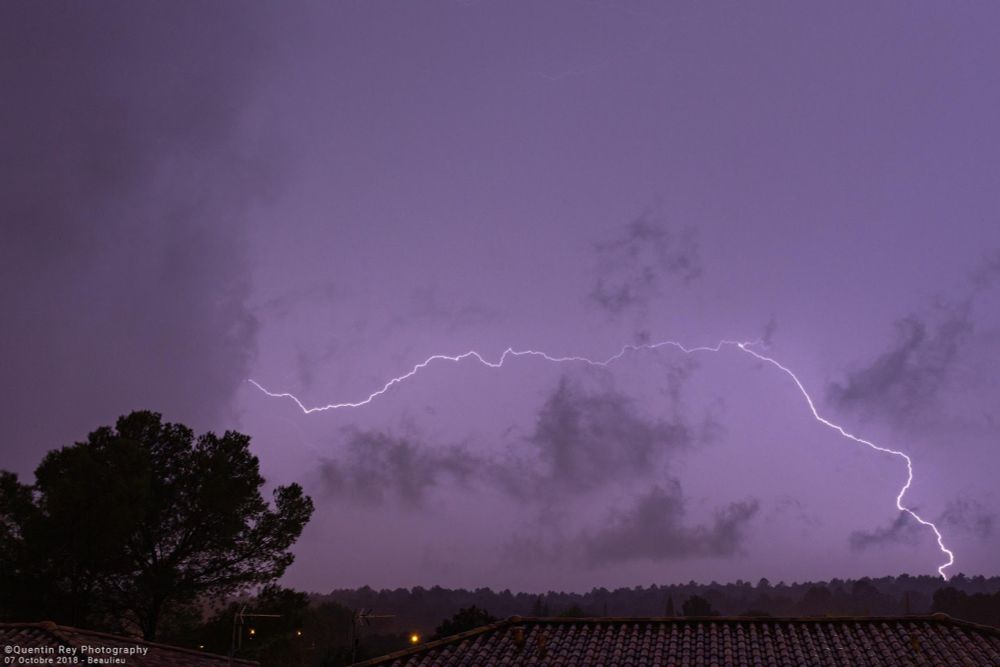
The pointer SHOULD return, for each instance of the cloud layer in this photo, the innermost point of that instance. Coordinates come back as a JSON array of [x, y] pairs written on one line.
[[128, 171], [585, 442]]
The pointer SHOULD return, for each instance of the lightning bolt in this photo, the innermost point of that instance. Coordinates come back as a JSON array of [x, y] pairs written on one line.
[[746, 347], [850, 436]]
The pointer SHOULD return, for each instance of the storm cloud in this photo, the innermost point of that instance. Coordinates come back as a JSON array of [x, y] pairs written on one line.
[[986, 274], [586, 438], [905, 379], [634, 267], [127, 173], [904, 529], [589, 439], [583, 440], [377, 467], [321, 196], [969, 516], [654, 528]]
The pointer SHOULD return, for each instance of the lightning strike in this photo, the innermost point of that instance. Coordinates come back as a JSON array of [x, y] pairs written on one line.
[[746, 347], [850, 436]]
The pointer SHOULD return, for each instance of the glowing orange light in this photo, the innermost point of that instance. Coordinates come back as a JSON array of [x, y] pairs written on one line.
[[252, 632], [298, 633], [414, 638]]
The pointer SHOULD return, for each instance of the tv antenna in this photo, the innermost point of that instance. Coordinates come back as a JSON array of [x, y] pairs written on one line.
[[361, 617], [239, 618]]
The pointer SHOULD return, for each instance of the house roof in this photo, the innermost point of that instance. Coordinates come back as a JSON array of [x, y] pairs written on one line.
[[45, 639], [716, 641]]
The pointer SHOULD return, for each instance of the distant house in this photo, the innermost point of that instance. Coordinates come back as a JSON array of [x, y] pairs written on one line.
[[712, 642], [45, 643]]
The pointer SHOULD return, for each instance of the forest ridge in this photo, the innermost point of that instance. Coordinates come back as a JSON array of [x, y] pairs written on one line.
[[974, 599]]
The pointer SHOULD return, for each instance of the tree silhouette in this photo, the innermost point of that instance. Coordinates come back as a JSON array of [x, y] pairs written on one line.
[[978, 607], [15, 504], [539, 608], [139, 521], [698, 606], [816, 600], [465, 619], [573, 611], [669, 607]]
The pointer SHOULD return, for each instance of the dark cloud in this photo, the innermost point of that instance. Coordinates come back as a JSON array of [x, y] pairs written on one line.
[[769, 330], [905, 379], [425, 308], [654, 529], [786, 509], [128, 169], [969, 516], [533, 550], [431, 305], [283, 304], [585, 439], [904, 529], [633, 268], [987, 273], [378, 466]]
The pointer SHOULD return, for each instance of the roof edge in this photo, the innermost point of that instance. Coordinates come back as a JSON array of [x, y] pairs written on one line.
[[58, 632], [46, 626], [413, 650], [937, 618]]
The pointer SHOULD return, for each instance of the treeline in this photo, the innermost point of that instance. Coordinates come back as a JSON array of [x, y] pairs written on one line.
[[975, 599], [291, 628]]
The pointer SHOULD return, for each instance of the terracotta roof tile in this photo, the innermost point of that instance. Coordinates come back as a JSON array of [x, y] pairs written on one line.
[[705, 642], [48, 635]]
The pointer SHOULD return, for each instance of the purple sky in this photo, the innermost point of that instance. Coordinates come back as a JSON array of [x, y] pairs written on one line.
[[319, 196]]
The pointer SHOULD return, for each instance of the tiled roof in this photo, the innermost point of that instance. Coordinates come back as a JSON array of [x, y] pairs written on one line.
[[47, 638], [930, 641]]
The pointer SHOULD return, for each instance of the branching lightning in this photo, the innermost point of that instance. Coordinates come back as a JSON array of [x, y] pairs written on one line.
[[746, 347]]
